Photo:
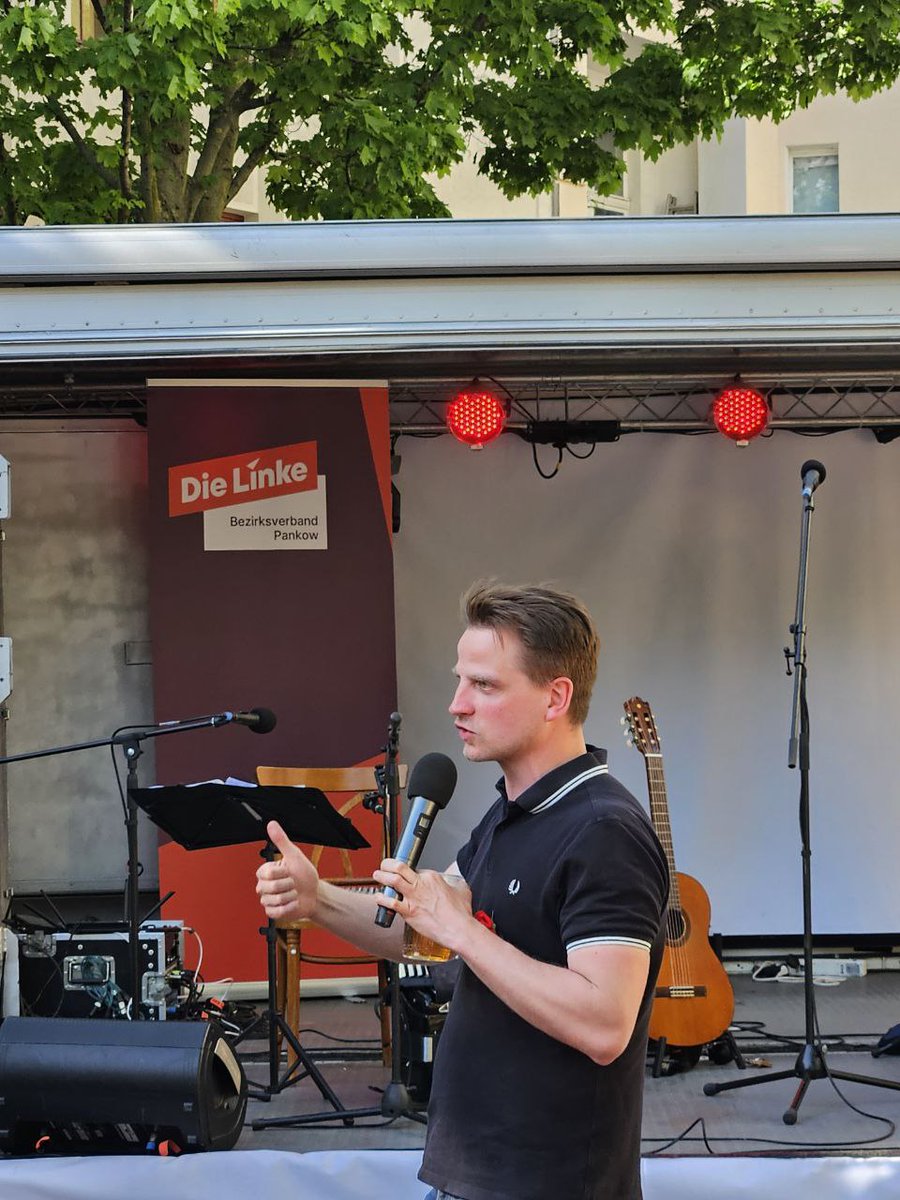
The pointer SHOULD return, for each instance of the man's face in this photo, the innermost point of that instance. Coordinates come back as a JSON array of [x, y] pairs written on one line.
[[499, 712]]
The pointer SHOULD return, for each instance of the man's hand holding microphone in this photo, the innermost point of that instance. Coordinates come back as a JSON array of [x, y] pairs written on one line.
[[290, 889]]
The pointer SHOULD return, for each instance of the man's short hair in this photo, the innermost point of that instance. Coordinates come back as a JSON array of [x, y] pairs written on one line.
[[556, 631]]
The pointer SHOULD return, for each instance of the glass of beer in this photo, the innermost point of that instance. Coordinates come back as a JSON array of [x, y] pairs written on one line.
[[419, 948]]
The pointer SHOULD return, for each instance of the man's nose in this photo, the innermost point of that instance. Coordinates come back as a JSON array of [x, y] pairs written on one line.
[[458, 704]]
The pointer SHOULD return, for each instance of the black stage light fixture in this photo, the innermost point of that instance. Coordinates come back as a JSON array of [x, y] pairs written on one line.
[[81, 1086], [570, 433]]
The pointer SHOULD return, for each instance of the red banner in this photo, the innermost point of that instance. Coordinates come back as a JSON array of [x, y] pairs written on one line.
[[239, 478]]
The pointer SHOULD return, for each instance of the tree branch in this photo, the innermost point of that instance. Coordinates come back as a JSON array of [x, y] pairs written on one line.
[[222, 121], [241, 174], [10, 208], [209, 194], [259, 102], [108, 177], [125, 139], [100, 14]]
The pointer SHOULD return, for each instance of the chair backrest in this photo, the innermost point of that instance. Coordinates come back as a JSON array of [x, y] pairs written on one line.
[[333, 781]]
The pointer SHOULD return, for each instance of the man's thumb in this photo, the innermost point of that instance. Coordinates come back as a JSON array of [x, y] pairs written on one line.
[[279, 838]]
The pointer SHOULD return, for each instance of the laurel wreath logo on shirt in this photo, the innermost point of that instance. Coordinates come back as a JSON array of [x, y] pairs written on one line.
[[514, 886]]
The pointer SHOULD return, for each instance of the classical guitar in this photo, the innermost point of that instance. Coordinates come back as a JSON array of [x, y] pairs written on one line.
[[694, 1001]]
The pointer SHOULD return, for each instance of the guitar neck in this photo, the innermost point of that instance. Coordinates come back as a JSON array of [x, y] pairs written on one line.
[[659, 814]]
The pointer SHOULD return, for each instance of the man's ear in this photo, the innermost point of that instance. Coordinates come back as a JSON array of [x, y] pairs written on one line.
[[560, 697]]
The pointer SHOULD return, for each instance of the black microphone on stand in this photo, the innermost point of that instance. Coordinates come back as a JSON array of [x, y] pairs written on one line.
[[812, 473], [431, 784], [260, 720]]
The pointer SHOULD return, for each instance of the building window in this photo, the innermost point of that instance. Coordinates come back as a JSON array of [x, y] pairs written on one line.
[[616, 204], [608, 206], [814, 180]]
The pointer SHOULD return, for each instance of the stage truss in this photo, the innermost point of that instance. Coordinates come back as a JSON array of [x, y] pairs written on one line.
[[821, 405], [654, 405]]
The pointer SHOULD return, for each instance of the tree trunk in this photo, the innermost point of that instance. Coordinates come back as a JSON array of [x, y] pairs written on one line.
[[210, 185], [164, 169]]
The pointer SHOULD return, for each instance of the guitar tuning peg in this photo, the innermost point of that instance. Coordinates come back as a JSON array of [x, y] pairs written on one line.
[[623, 721]]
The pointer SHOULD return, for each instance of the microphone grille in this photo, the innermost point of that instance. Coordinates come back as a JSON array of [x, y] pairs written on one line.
[[266, 720], [813, 464], [434, 777]]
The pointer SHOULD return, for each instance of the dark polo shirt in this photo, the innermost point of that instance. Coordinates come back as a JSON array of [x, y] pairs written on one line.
[[516, 1114]]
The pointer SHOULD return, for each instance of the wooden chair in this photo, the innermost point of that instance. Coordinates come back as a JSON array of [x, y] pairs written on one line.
[[353, 783]]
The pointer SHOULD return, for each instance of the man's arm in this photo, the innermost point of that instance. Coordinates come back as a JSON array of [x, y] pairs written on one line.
[[290, 889], [351, 915], [590, 1004]]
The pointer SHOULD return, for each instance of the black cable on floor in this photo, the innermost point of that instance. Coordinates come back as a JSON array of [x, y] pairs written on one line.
[[756, 1030], [849, 1103], [707, 1141], [375, 1041]]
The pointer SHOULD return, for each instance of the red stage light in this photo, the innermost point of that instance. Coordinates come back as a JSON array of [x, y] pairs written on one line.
[[740, 413], [476, 417]]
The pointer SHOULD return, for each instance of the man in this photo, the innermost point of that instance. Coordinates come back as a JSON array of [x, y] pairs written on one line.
[[537, 1086]]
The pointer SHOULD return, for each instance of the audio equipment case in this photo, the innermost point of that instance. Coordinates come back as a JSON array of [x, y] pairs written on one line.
[[88, 974]]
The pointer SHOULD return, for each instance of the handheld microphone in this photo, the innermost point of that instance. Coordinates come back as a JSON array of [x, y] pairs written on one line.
[[812, 473], [431, 784], [260, 720]]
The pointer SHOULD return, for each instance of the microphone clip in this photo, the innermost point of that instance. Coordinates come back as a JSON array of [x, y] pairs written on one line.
[[375, 801]]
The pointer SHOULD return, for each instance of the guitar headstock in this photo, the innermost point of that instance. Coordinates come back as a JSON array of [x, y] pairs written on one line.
[[641, 726]]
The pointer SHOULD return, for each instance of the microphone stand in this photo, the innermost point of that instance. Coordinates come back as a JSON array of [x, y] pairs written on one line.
[[130, 741], [810, 1063], [395, 1099]]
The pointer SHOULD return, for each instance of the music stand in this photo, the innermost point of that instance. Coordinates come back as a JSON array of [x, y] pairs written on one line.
[[202, 816], [395, 1099]]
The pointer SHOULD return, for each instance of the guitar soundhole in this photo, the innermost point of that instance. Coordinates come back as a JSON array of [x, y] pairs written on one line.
[[677, 926]]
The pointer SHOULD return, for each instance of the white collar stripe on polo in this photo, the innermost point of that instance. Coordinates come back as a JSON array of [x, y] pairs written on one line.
[[601, 769]]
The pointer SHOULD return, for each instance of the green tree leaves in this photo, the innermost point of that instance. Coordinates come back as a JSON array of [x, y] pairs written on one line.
[[352, 106]]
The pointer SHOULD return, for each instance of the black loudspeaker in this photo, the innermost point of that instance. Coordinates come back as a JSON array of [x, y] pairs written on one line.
[[89, 1086]]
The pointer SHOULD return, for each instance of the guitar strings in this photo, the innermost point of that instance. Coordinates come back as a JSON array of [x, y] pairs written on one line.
[[659, 809]]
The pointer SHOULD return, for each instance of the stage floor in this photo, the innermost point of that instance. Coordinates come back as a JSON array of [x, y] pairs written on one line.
[[833, 1153], [852, 1016]]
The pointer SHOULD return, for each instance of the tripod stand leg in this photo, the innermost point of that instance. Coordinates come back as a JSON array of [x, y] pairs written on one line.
[[790, 1113], [395, 1101], [301, 1067], [724, 1049], [713, 1089], [310, 1070], [659, 1057], [279, 1031], [728, 1038], [874, 1082]]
